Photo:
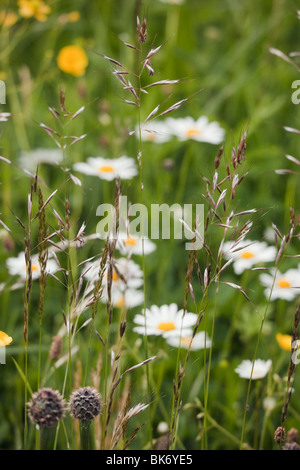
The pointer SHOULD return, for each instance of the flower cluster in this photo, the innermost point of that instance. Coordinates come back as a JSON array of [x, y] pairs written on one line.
[[247, 254], [126, 279], [37, 9]]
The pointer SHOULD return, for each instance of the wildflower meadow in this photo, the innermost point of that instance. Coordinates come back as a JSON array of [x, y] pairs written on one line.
[[149, 225]]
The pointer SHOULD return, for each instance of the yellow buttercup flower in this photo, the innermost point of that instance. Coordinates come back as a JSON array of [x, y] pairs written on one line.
[[5, 340], [72, 60], [34, 9], [284, 341]]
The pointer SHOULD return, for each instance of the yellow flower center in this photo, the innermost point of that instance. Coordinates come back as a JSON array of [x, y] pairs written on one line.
[[185, 341], [247, 255], [192, 133], [166, 326], [106, 169], [115, 277], [255, 374], [283, 283], [130, 241], [150, 136], [121, 302], [34, 268]]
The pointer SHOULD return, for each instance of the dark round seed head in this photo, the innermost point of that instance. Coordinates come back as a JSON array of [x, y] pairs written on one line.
[[46, 408], [291, 446], [85, 404]]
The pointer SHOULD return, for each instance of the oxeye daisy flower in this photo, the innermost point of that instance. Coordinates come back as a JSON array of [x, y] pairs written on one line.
[[260, 369], [281, 285], [17, 266], [247, 254], [198, 342], [121, 298], [72, 60], [108, 169], [125, 273], [5, 340], [30, 160], [200, 129], [155, 131], [165, 321], [133, 245]]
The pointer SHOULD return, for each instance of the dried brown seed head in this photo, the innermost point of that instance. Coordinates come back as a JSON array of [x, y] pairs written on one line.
[[46, 408], [85, 404], [142, 30], [279, 435], [55, 349], [291, 446]]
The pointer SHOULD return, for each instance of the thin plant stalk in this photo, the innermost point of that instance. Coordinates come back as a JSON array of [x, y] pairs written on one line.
[[253, 360]]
